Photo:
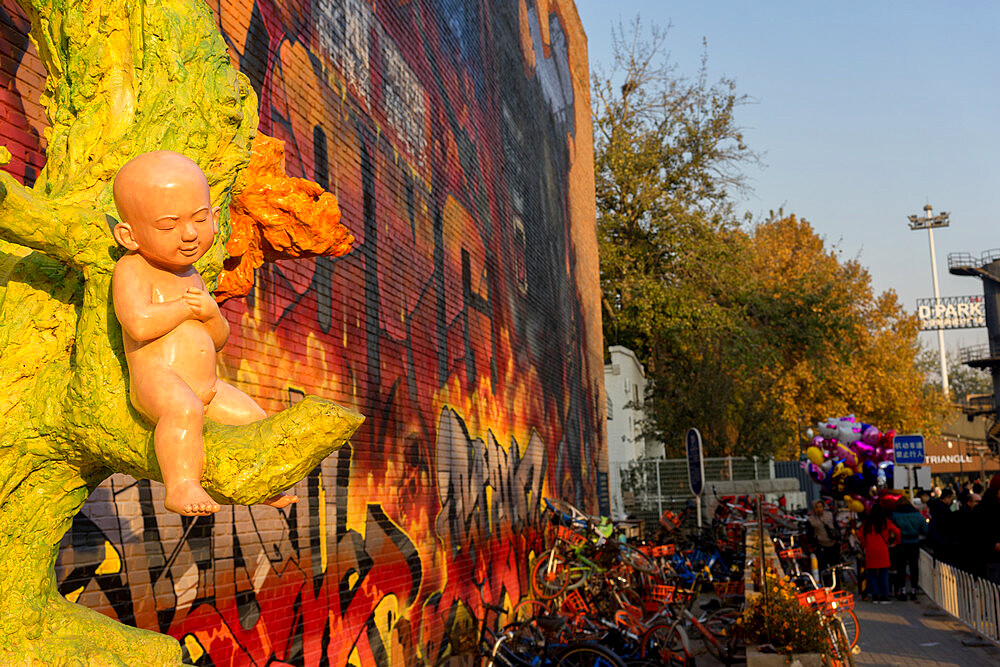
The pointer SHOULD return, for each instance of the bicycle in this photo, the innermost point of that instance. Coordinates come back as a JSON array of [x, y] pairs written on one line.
[[838, 604], [575, 557], [675, 620]]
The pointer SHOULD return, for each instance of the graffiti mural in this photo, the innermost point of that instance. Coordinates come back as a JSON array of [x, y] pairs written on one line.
[[464, 324]]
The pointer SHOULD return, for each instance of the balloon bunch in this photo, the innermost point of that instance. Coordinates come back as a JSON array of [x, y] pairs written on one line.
[[851, 460]]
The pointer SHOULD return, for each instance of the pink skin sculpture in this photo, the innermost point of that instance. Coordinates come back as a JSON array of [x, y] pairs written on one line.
[[171, 325]]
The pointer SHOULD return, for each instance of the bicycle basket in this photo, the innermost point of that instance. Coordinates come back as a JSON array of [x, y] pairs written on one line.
[[841, 601], [575, 604], [670, 521], [815, 600], [657, 596], [661, 593], [658, 550], [727, 590], [663, 550], [570, 536]]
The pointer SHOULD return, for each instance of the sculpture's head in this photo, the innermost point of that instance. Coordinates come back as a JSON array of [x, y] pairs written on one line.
[[165, 209]]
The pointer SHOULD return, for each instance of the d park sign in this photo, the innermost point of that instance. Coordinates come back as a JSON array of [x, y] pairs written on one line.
[[951, 312]]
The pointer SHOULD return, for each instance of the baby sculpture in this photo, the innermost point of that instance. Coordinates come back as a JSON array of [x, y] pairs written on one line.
[[171, 326]]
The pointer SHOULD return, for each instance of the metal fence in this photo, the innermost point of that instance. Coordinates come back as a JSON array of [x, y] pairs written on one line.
[[972, 600], [794, 469], [656, 485]]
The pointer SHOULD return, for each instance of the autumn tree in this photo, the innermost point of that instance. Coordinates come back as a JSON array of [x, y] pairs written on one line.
[[123, 78], [666, 156], [808, 339], [835, 346], [745, 330]]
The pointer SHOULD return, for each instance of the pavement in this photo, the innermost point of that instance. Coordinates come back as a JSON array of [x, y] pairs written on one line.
[[918, 634]]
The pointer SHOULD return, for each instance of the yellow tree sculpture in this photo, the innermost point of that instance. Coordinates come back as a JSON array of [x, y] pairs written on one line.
[[124, 77]]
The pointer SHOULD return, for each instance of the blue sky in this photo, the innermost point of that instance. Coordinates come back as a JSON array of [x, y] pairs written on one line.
[[864, 113]]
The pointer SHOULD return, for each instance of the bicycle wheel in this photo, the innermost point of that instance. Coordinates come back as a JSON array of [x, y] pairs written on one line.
[[636, 559], [851, 627], [667, 643], [529, 608], [838, 645], [587, 655], [549, 575], [721, 625]]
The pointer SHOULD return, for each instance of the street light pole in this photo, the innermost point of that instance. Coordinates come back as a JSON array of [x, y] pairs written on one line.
[[929, 223]]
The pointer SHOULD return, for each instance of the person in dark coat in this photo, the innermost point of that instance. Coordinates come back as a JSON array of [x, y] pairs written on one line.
[[968, 555], [906, 555], [986, 520], [941, 535]]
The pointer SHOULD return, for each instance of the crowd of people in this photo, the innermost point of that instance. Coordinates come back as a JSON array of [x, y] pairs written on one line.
[[964, 527], [959, 524]]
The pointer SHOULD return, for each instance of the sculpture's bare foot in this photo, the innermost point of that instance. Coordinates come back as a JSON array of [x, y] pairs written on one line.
[[188, 498], [281, 500]]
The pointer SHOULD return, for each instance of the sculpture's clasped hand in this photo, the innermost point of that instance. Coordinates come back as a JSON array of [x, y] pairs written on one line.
[[202, 306]]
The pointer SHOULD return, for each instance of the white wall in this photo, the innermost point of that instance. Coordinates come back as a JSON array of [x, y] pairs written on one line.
[[625, 387]]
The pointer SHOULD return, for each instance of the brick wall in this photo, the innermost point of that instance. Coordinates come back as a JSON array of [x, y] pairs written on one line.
[[465, 325]]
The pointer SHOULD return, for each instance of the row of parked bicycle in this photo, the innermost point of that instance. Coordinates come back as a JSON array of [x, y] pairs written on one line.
[[601, 599]]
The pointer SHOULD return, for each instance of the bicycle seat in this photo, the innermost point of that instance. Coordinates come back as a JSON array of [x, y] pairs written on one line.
[[550, 623]]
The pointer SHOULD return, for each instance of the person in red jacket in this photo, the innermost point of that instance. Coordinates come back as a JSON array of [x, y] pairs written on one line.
[[877, 535]]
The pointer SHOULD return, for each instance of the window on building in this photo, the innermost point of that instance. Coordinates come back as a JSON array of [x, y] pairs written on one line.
[[611, 409]]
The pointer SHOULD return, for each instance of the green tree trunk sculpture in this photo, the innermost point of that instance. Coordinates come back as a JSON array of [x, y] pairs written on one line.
[[123, 78]]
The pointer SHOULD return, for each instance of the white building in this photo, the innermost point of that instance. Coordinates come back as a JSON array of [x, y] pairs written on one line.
[[625, 386]]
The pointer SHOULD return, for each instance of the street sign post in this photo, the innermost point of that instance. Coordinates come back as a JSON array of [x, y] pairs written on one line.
[[696, 467], [908, 451]]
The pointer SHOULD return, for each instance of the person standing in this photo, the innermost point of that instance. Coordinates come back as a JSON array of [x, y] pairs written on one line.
[[906, 555], [967, 543], [823, 531], [986, 519], [941, 536], [878, 535]]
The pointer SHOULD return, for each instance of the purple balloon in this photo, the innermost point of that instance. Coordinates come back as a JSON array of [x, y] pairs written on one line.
[[870, 436]]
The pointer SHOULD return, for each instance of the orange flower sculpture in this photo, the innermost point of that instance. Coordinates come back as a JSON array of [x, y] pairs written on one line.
[[276, 216]]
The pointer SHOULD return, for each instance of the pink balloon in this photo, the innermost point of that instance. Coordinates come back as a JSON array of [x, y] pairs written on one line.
[[870, 436], [849, 456], [864, 449], [817, 441]]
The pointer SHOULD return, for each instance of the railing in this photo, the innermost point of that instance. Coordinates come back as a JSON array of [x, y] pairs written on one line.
[[975, 353], [661, 484], [965, 259], [972, 600], [962, 259], [979, 402]]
